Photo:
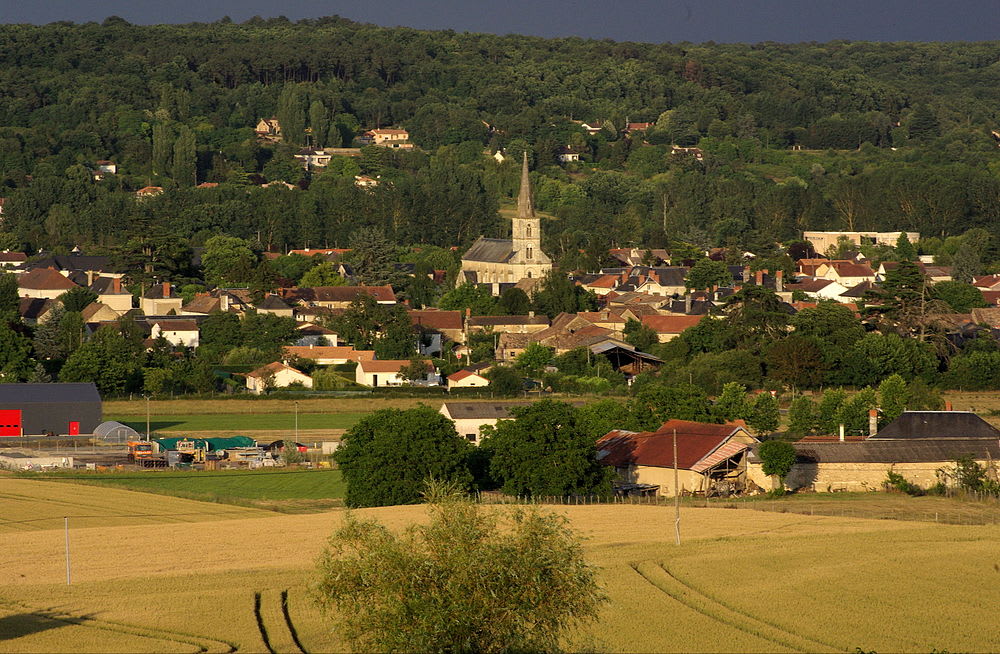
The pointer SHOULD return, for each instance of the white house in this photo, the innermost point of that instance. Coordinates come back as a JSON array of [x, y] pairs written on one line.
[[371, 372], [45, 283], [180, 332], [276, 375], [466, 379], [328, 355], [160, 300]]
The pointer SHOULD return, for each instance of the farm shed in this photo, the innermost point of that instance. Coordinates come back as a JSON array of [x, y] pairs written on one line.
[[915, 445], [37, 409], [710, 458], [209, 444]]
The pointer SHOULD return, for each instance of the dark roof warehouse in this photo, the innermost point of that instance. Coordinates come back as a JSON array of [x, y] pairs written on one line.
[[63, 409]]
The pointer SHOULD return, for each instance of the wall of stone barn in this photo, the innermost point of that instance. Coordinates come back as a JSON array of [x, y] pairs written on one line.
[[664, 478], [826, 477]]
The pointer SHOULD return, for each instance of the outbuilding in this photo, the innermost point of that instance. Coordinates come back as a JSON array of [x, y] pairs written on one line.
[[59, 409]]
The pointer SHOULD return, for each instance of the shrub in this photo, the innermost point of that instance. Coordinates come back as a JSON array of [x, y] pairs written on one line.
[[472, 580], [897, 482]]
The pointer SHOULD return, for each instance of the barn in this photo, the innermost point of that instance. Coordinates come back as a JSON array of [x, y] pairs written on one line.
[[37, 409]]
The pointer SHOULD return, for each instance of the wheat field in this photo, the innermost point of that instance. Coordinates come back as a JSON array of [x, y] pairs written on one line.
[[741, 581]]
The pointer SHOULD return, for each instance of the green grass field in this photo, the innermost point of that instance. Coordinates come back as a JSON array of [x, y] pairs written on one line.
[[285, 490], [238, 421]]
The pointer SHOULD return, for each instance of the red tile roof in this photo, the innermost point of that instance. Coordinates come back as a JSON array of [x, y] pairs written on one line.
[[695, 441], [329, 352], [436, 319], [607, 281], [462, 374], [388, 365], [44, 279], [670, 324]]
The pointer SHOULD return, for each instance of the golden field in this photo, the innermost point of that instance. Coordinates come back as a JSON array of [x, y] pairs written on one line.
[[741, 581]]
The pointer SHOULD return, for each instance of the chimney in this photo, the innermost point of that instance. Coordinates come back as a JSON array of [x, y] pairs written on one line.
[[872, 422], [116, 285], [468, 312], [687, 304], [746, 273], [531, 314], [947, 406], [310, 346], [90, 278], [779, 281], [759, 278], [223, 302], [166, 289], [841, 432]]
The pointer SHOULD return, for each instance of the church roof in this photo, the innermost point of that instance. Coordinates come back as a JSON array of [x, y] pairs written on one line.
[[493, 250], [525, 204]]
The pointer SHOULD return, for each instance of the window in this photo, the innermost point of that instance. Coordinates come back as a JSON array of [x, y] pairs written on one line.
[[529, 257], [529, 274], [528, 230]]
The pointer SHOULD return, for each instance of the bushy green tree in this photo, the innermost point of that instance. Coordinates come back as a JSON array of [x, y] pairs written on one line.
[[706, 273], [77, 299], [801, 416], [445, 586], [544, 450], [683, 402], [892, 397], [505, 381], [374, 257], [227, 260], [732, 404], [764, 415], [108, 359], [828, 411], [777, 458], [853, 413], [640, 336], [469, 296], [534, 357], [387, 456], [322, 274], [10, 296]]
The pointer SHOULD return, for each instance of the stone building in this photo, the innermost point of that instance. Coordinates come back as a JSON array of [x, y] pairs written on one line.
[[498, 261]]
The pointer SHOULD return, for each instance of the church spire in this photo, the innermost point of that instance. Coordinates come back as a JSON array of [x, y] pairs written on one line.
[[525, 206]]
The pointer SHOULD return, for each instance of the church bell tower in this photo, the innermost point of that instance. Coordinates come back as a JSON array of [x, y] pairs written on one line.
[[526, 232]]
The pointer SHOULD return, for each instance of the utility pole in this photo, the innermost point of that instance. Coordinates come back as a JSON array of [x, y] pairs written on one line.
[[677, 497], [66, 523], [147, 417], [296, 423]]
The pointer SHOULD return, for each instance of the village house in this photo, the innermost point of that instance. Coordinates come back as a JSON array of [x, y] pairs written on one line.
[[823, 241], [160, 300], [697, 153], [528, 324], [466, 378], [819, 289], [98, 312], [44, 283], [496, 261], [12, 260], [340, 297], [218, 300], [276, 375], [387, 372], [34, 310], [102, 168], [916, 445], [668, 328], [660, 281], [846, 273], [180, 333], [275, 306], [470, 417], [268, 129], [364, 181], [601, 285], [148, 192], [328, 355], [387, 138], [313, 158], [110, 293], [567, 154], [435, 326], [312, 334], [711, 459]]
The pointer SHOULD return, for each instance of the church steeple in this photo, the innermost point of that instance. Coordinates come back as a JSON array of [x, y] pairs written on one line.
[[525, 205]]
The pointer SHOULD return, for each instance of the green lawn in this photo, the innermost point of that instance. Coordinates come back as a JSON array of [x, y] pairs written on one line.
[[239, 421], [281, 486]]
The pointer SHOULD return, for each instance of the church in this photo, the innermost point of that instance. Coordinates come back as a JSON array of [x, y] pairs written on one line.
[[497, 261]]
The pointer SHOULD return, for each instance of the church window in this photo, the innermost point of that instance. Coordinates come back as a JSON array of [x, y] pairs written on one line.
[[529, 252], [529, 274], [528, 227]]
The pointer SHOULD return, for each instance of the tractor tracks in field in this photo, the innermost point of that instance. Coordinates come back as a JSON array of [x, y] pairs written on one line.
[[660, 577], [203, 644], [275, 624]]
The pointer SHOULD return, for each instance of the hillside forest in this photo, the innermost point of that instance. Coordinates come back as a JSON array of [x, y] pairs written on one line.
[[836, 135]]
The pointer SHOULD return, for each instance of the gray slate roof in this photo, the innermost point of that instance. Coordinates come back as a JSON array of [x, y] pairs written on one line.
[[482, 410], [936, 425], [917, 451], [493, 250], [12, 394]]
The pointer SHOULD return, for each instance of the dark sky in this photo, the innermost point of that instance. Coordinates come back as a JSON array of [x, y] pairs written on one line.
[[634, 20]]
